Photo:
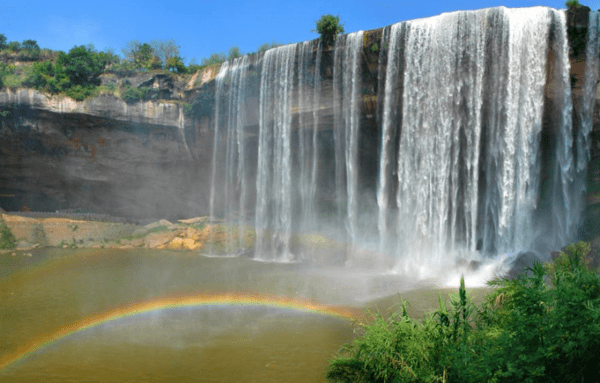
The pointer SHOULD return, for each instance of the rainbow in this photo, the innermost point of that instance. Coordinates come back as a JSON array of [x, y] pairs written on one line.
[[135, 308]]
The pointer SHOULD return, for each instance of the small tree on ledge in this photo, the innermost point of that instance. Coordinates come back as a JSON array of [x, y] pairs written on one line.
[[329, 26]]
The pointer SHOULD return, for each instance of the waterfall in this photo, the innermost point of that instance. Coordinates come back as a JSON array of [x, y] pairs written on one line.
[[476, 150], [472, 107], [274, 179], [229, 184], [347, 86], [585, 111]]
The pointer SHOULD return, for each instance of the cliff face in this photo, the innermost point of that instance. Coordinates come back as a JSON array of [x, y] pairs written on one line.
[[147, 160], [101, 155]]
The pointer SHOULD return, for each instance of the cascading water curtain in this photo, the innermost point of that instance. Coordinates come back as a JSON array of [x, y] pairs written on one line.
[[468, 158], [273, 217], [346, 89], [477, 154], [229, 188]]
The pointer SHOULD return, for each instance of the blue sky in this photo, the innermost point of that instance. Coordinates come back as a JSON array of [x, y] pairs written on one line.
[[202, 28]]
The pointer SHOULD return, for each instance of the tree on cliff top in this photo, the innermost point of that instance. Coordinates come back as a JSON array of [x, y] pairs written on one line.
[[165, 49], [82, 65], [141, 55], [329, 26]]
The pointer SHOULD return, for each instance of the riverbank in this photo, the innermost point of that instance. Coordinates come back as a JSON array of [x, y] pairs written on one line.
[[187, 234]]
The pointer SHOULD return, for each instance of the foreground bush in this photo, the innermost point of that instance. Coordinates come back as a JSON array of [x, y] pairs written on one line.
[[543, 326]]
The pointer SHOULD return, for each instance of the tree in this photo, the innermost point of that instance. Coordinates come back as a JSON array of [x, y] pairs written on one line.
[[14, 46], [328, 26], [108, 57], [193, 65], [30, 50], [572, 4], [131, 47], [215, 58], [164, 50], [266, 46], [30, 45], [234, 52], [82, 65], [175, 64], [3, 44], [141, 55]]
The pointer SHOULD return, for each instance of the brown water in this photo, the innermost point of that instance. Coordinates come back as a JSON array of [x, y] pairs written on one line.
[[210, 343]]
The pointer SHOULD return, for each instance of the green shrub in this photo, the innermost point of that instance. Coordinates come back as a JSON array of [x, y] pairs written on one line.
[[329, 26], [175, 64], [80, 93], [266, 46], [7, 239], [14, 46], [234, 52], [215, 58], [132, 95], [543, 326], [572, 4]]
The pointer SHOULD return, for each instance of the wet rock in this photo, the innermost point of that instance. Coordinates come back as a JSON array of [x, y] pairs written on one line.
[[194, 221], [140, 232], [473, 266], [157, 224], [521, 261], [158, 240]]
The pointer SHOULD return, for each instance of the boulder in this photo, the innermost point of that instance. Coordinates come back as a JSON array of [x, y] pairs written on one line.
[[158, 240]]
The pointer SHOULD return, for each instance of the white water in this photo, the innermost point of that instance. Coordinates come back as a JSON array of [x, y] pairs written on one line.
[[273, 222], [461, 169], [346, 89]]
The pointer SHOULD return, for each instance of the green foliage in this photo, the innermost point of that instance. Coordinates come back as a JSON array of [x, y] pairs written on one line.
[[329, 26], [165, 50], [3, 40], [142, 56], [234, 52], [215, 58], [193, 66], [175, 64], [132, 95], [266, 46], [572, 4], [82, 65], [81, 92], [47, 77], [30, 45], [108, 58], [543, 326], [7, 239], [14, 46]]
